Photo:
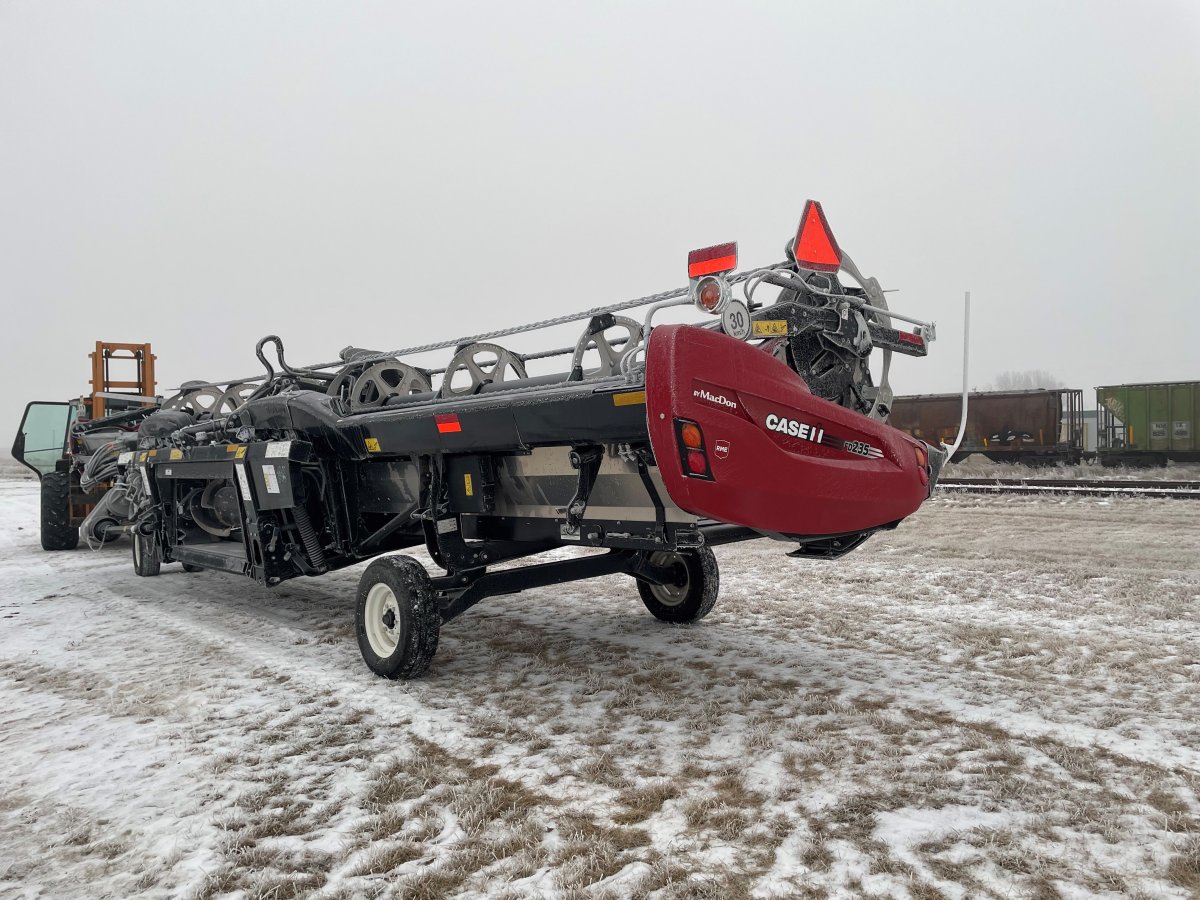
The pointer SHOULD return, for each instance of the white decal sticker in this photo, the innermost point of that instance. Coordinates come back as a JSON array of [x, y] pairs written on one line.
[[243, 482], [714, 399], [794, 428], [445, 526], [270, 480], [146, 479], [278, 449], [815, 433], [125, 458]]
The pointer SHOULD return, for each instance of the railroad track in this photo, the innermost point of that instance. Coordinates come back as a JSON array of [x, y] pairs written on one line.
[[1086, 487]]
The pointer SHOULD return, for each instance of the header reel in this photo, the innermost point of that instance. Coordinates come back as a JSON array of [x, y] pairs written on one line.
[[821, 328]]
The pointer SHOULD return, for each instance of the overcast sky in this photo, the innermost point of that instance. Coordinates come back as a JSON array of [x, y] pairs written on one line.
[[198, 175]]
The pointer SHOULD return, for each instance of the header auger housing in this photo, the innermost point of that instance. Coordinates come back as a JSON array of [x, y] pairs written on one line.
[[654, 444]]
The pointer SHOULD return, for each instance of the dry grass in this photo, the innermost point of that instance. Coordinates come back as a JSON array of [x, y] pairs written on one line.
[[997, 698]]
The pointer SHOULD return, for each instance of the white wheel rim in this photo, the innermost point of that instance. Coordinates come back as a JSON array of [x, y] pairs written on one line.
[[137, 552], [380, 601], [670, 594]]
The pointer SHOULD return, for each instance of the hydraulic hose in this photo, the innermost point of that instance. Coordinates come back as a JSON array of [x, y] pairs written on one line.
[[101, 466]]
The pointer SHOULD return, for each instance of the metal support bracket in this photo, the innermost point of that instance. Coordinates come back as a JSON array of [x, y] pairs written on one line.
[[586, 460]]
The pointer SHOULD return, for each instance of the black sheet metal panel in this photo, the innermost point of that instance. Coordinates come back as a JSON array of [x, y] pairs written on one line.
[[997, 421], [507, 421], [267, 464]]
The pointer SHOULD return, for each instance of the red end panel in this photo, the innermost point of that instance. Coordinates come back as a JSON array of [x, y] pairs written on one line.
[[782, 460]]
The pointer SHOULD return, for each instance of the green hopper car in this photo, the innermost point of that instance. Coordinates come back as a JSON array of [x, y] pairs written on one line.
[[1148, 424]]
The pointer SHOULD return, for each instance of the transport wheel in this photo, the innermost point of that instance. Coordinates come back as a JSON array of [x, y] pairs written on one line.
[[57, 531], [147, 559], [396, 617], [693, 595]]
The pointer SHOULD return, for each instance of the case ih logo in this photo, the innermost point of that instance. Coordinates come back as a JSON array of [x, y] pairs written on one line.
[[815, 433], [710, 394], [794, 428]]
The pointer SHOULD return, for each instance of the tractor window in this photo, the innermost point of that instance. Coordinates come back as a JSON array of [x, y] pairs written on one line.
[[43, 435]]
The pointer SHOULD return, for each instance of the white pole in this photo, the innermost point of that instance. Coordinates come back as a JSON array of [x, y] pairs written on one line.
[[962, 422]]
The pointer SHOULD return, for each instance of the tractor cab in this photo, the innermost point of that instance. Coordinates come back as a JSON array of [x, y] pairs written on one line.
[[43, 436]]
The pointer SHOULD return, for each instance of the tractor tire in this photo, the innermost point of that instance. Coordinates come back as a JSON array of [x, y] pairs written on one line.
[[695, 593], [57, 531], [147, 557], [396, 618]]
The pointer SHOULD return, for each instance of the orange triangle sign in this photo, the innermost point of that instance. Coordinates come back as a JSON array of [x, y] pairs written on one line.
[[815, 248]]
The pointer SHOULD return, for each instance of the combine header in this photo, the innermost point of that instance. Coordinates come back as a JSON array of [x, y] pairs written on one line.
[[654, 444]]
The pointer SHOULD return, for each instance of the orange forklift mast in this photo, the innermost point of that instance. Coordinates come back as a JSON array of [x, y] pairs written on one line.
[[110, 393]]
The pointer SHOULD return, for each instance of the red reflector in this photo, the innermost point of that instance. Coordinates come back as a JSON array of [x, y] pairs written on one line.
[[447, 424], [697, 464], [815, 248], [910, 338], [721, 258]]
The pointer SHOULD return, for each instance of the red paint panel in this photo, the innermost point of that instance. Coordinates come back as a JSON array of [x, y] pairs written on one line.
[[798, 483]]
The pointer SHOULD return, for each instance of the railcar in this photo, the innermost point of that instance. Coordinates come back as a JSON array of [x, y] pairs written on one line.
[[1148, 424], [1037, 427]]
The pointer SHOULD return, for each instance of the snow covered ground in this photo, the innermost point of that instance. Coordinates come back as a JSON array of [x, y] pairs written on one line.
[[976, 466], [1001, 697], [11, 469]]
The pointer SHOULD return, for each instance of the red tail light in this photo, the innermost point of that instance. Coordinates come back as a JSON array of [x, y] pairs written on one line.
[[815, 248], [692, 454], [910, 338], [708, 292]]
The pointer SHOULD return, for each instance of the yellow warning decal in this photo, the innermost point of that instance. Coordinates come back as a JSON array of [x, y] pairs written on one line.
[[372, 445], [154, 453], [142, 458], [176, 453], [233, 448], [467, 486], [241, 453], [630, 398], [770, 328]]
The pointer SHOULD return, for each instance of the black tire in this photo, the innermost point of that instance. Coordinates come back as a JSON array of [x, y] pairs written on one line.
[[189, 567], [147, 557], [396, 590], [693, 596], [57, 531]]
